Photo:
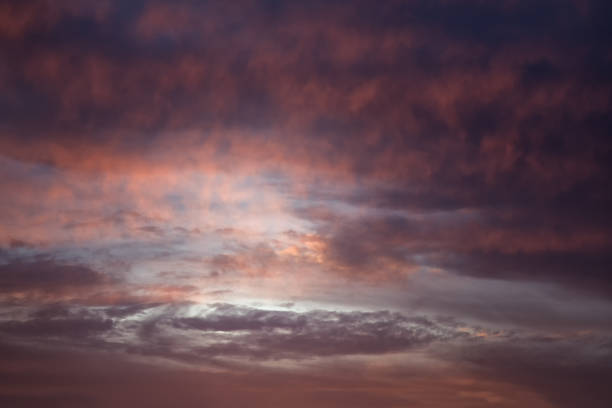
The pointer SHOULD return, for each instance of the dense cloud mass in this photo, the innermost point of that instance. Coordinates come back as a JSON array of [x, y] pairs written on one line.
[[324, 203], [225, 330]]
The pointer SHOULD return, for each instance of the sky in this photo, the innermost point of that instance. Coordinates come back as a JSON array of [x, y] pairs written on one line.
[[319, 203]]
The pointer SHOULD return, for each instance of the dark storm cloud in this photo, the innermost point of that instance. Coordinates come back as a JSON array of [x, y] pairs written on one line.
[[485, 243], [46, 275], [48, 279], [569, 372], [96, 68], [70, 328], [583, 271]]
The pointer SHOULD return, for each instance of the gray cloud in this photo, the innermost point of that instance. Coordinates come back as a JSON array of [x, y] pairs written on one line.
[[286, 334], [570, 372], [46, 275]]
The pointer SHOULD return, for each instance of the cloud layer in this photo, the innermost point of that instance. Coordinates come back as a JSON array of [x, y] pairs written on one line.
[[398, 204]]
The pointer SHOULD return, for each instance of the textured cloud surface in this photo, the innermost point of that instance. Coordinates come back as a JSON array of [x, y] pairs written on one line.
[[325, 203]]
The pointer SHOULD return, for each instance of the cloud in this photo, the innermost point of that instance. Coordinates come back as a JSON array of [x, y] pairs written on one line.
[[119, 381], [448, 156], [412, 111], [51, 328], [433, 90], [487, 243], [224, 331], [569, 372], [47, 275], [481, 365], [283, 334]]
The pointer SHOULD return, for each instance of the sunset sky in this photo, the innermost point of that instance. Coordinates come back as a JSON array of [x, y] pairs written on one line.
[[314, 203]]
